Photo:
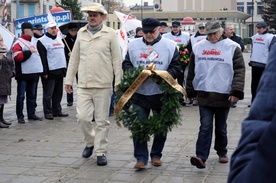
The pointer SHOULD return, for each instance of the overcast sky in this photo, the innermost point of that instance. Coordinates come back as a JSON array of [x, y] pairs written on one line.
[[133, 2]]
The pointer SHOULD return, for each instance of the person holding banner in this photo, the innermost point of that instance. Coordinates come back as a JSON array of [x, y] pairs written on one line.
[[6, 73], [154, 48], [28, 67], [97, 59], [51, 51]]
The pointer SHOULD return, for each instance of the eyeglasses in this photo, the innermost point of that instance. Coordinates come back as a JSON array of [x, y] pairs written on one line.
[[201, 28], [1, 39], [151, 32]]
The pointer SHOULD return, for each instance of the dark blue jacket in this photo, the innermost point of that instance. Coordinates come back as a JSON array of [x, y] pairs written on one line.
[[255, 157]]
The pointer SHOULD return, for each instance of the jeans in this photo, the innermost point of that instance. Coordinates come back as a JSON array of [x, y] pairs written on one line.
[[141, 148], [204, 140], [30, 88]]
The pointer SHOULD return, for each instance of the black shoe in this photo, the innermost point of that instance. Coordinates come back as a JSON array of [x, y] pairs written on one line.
[[2, 125], [49, 116], [21, 120], [61, 115], [101, 160], [35, 118], [69, 103], [234, 104], [5, 122], [87, 152]]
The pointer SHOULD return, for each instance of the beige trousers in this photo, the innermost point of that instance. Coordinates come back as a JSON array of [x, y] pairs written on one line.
[[94, 102]]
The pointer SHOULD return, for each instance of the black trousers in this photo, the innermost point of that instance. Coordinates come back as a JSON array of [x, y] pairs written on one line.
[[256, 75], [52, 95]]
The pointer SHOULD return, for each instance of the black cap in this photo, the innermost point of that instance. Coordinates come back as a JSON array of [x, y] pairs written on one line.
[[138, 29], [149, 24], [163, 24], [72, 26], [201, 25], [38, 27], [26, 25], [175, 24], [261, 24]]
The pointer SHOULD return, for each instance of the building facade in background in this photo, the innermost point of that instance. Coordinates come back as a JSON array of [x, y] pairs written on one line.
[[238, 12]]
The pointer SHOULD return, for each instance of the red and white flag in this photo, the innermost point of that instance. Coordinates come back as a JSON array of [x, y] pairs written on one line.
[[130, 23], [123, 40], [8, 37]]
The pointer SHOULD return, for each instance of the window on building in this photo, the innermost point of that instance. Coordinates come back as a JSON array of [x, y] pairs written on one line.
[[21, 12], [240, 6], [250, 8], [31, 10], [260, 7]]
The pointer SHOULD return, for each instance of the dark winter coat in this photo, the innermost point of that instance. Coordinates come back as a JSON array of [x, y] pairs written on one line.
[[254, 159], [6, 74], [238, 40], [70, 41]]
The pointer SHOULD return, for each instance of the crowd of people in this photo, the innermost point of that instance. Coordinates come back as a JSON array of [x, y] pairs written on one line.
[[214, 79]]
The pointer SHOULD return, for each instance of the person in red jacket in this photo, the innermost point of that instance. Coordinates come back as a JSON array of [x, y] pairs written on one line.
[[28, 67]]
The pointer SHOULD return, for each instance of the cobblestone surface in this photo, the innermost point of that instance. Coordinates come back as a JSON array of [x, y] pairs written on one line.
[[50, 151]]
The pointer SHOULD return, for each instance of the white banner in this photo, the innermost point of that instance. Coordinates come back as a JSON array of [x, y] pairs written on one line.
[[8, 37]]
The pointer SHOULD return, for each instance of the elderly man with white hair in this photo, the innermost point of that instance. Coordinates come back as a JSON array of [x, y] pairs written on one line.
[[51, 51], [97, 59], [216, 75]]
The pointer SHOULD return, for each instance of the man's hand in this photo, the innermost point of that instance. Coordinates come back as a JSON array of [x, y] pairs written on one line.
[[233, 99], [68, 89], [32, 49]]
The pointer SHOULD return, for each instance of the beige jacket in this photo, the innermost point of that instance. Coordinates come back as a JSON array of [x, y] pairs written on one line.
[[96, 58]]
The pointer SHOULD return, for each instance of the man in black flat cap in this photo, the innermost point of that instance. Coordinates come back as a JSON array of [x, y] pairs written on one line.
[[261, 44], [164, 54], [163, 28], [180, 38], [28, 67], [139, 32]]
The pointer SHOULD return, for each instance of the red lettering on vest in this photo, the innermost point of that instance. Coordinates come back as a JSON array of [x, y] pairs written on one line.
[[259, 39], [211, 52], [145, 55], [57, 44]]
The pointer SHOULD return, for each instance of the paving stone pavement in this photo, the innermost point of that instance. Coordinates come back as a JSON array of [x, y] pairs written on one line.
[[50, 151]]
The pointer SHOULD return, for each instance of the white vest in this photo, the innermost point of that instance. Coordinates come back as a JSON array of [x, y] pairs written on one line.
[[55, 52], [139, 55], [194, 39], [33, 64], [214, 66], [260, 47], [181, 39]]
